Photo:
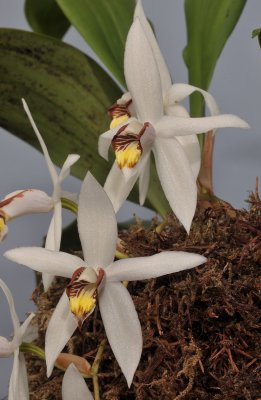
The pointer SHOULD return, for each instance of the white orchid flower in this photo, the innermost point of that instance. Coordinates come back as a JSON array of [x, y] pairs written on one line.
[[74, 386], [30, 201], [53, 238], [99, 278], [158, 124], [18, 386]]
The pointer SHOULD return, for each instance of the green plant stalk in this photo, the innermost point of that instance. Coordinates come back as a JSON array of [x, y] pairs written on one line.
[[95, 369], [69, 205]]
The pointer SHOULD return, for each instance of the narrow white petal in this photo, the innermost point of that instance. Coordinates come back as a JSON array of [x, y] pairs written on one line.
[[142, 75], [65, 171], [10, 300], [122, 327], [176, 178], [139, 268], [162, 67], [30, 334], [53, 240], [74, 386], [96, 223], [18, 386], [61, 327], [177, 126], [116, 186], [53, 237], [144, 180], [42, 260], [28, 201], [48, 160], [191, 147], [25, 326], [179, 91]]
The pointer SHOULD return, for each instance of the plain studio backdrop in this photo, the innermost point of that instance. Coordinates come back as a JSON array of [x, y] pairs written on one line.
[[237, 89]]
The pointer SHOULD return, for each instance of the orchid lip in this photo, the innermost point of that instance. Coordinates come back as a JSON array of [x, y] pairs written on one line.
[[127, 144], [83, 294]]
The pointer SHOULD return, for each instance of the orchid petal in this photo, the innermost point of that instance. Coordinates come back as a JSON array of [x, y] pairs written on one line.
[[48, 160], [177, 126], [97, 224], [25, 325], [65, 171], [10, 300], [31, 333], [144, 180], [53, 240], [122, 327], [191, 147], [179, 91], [116, 186], [60, 328], [6, 348], [139, 268], [162, 67], [54, 234], [51, 262], [74, 386], [176, 178], [18, 386], [29, 201], [142, 75]]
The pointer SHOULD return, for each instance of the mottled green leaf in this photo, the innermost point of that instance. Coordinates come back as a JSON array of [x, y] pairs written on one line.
[[67, 92], [68, 95], [45, 16], [104, 25]]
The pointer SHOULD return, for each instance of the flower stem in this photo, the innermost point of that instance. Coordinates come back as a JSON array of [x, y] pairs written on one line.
[[69, 205], [161, 226], [205, 174], [95, 369], [119, 255], [32, 348]]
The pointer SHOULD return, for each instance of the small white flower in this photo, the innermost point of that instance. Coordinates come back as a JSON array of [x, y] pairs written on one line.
[[18, 386], [155, 121], [98, 278], [29, 201], [74, 386]]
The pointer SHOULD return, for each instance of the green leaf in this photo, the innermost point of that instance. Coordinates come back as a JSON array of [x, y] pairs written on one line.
[[68, 95], [209, 25], [46, 17], [104, 25]]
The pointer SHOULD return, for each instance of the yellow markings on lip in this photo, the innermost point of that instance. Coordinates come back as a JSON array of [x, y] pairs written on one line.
[[119, 113], [129, 155], [118, 120], [83, 304], [83, 294], [127, 146], [2, 224]]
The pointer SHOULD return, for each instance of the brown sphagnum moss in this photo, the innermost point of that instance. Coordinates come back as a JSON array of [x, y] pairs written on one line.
[[201, 328]]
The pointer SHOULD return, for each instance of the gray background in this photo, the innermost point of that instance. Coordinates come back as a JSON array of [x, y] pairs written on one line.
[[236, 87]]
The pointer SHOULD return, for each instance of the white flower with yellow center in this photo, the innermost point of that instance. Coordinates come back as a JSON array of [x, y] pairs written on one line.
[[157, 123], [31, 201], [18, 386], [98, 279]]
